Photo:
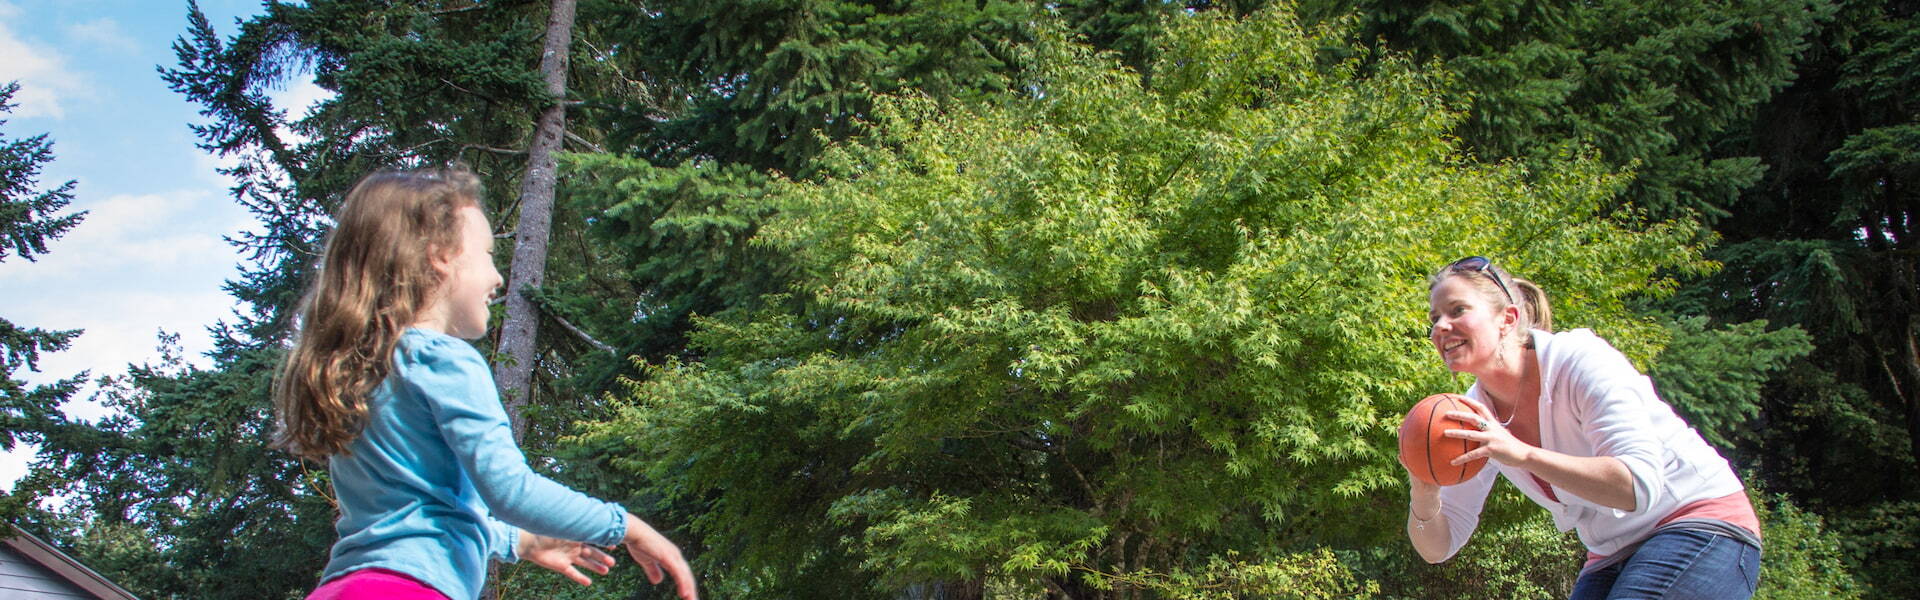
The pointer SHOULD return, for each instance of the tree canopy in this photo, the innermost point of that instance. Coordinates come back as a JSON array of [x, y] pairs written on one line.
[[1098, 330]]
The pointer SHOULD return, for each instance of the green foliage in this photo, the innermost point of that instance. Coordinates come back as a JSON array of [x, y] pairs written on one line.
[[718, 93], [1653, 86], [1713, 377], [768, 84], [1876, 541], [1803, 558], [1828, 247], [1525, 559], [29, 218], [1133, 29], [1314, 575], [1106, 328], [162, 494], [680, 236]]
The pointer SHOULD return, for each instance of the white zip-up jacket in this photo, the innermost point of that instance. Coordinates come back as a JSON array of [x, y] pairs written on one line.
[[1594, 403]]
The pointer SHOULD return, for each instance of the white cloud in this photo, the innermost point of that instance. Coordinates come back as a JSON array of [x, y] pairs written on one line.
[[299, 102], [122, 328], [13, 464], [46, 82], [138, 265], [300, 98], [135, 265], [105, 33], [138, 237]]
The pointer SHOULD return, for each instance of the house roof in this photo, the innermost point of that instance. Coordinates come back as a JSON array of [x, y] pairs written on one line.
[[33, 549]]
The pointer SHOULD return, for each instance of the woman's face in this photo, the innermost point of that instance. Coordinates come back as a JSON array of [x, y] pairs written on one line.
[[1467, 328]]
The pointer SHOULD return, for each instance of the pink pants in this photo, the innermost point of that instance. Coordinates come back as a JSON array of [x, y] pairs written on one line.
[[375, 584]]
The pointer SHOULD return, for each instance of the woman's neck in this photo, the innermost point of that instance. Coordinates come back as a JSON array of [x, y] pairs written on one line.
[[1516, 379]]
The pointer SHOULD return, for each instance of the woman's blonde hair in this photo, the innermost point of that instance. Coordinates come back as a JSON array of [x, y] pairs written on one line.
[[375, 276], [1535, 311]]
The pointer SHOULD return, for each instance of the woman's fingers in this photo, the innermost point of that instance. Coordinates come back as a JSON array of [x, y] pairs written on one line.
[[1477, 454], [1477, 406], [1471, 419]]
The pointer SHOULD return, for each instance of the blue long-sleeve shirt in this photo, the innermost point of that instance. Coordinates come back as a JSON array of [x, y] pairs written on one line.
[[435, 484]]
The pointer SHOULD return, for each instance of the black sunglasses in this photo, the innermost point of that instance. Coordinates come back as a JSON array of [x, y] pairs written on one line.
[[1481, 264]]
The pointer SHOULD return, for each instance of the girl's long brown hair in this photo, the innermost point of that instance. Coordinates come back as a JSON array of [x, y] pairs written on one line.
[[376, 275]]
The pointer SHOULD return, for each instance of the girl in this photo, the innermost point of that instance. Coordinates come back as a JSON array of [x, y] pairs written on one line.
[[1568, 420], [380, 385]]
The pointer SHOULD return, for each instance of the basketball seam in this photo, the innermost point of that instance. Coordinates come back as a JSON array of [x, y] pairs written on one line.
[[1427, 434], [1459, 470]]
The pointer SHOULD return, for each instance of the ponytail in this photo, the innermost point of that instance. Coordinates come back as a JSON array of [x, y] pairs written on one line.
[[1535, 312]]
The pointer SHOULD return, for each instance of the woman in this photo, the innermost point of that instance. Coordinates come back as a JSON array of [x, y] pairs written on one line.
[[1568, 420]]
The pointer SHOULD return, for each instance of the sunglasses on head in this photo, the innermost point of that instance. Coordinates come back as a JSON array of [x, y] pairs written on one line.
[[1481, 264]]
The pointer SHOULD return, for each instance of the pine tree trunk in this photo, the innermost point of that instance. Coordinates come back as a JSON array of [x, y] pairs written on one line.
[[518, 333]]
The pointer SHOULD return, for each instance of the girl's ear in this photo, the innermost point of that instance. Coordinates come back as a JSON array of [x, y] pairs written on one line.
[[442, 261]]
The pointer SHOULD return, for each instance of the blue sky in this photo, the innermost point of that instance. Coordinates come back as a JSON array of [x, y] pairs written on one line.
[[150, 255]]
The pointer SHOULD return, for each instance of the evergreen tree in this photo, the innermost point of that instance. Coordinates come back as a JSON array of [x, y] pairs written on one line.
[[178, 495], [29, 218], [1655, 86], [761, 88], [1826, 243]]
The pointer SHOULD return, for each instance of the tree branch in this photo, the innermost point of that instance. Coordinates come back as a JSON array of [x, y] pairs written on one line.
[[506, 151], [564, 324], [583, 141]]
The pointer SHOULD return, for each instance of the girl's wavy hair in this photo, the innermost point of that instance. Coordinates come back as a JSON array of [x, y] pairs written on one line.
[[375, 276]]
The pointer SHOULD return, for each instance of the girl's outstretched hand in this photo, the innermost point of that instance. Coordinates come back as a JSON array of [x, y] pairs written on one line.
[[659, 557], [562, 556]]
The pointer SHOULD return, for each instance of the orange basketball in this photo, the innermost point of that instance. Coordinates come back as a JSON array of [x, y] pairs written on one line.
[[1426, 450]]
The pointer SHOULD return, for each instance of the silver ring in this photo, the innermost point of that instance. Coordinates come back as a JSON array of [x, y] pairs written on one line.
[[1484, 424]]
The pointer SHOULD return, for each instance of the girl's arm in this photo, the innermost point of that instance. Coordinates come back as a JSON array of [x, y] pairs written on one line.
[[458, 387]]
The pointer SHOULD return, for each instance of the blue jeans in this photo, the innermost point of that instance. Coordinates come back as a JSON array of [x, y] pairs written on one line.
[[1677, 565]]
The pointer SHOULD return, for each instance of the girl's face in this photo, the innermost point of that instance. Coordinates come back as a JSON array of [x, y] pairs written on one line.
[[1467, 329], [470, 281]]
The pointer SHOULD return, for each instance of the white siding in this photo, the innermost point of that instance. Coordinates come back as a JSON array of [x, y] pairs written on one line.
[[22, 579]]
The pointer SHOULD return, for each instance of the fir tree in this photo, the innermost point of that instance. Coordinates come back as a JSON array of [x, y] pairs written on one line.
[[29, 219]]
